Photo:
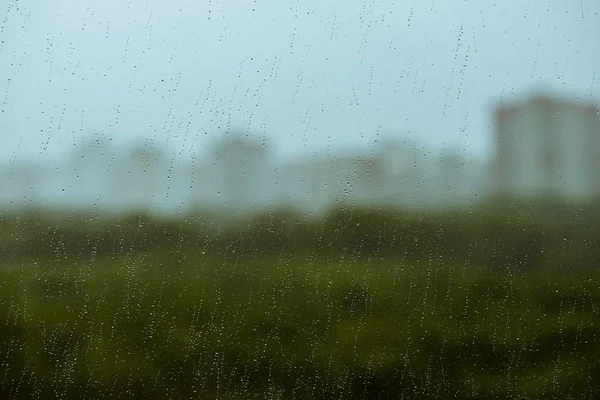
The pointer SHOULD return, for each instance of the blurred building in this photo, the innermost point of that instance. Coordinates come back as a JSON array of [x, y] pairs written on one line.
[[403, 173], [397, 173], [238, 176], [18, 186], [547, 147], [455, 179]]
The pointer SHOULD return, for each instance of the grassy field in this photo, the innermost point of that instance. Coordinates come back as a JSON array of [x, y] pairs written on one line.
[[187, 323], [496, 302]]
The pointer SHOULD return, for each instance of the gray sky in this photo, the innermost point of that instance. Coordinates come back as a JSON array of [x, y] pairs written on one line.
[[311, 75]]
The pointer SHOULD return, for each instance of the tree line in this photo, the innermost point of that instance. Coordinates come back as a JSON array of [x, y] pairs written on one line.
[[500, 234]]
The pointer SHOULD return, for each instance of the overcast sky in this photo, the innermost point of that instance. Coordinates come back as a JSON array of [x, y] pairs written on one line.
[[310, 75]]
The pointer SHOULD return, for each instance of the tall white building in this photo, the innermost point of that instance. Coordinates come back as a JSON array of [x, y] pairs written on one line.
[[547, 147]]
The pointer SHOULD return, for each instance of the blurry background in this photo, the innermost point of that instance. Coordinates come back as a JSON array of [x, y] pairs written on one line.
[[299, 199], [121, 103]]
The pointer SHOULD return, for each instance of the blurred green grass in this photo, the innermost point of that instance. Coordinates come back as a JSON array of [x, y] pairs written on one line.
[[161, 324], [496, 302]]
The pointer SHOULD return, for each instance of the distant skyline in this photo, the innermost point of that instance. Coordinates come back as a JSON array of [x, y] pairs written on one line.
[[310, 75]]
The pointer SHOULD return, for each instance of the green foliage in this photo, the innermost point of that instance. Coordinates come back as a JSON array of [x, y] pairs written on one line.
[[498, 301], [168, 324], [499, 236]]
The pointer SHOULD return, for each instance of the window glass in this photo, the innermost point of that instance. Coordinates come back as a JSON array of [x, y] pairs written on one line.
[[299, 199]]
